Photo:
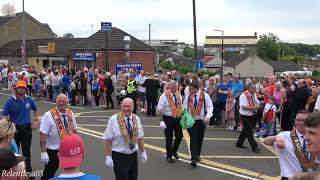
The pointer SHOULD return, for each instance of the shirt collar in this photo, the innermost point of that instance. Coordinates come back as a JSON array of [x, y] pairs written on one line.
[[299, 134], [71, 175], [61, 112], [17, 98]]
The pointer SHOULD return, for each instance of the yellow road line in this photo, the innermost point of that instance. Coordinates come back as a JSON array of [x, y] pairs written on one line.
[[187, 138], [241, 157], [185, 156]]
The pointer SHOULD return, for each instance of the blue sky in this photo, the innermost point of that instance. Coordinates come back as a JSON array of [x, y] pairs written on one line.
[[291, 20]]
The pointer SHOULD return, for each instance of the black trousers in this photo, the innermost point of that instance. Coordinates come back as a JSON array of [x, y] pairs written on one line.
[[52, 166], [173, 125], [133, 96], [236, 113], [151, 105], [96, 97], [247, 132], [125, 166], [196, 133], [23, 136], [109, 98]]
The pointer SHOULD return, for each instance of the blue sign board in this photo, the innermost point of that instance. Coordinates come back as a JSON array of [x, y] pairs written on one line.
[[106, 26], [199, 64], [124, 67], [84, 56]]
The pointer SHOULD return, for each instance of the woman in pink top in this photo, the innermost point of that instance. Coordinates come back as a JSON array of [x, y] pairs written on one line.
[[280, 98]]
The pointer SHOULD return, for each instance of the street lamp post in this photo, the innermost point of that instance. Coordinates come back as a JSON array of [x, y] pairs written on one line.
[[127, 41], [222, 49]]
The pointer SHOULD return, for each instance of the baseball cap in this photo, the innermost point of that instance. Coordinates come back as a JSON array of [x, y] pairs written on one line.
[[8, 159], [71, 152]]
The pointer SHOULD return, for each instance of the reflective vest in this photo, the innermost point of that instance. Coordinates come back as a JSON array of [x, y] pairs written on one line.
[[130, 87]]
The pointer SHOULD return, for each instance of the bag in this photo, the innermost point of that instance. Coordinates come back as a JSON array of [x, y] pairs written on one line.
[[187, 120]]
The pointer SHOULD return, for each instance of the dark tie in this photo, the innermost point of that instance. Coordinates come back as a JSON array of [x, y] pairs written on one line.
[[175, 100], [130, 132], [195, 103], [304, 148], [65, 122]]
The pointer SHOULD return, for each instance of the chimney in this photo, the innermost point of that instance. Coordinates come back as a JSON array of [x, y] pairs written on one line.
[[255, 34]]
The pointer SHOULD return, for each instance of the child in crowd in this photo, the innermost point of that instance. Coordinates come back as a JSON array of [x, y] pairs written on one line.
[[230, 111], [269, 116], [35, 85], [95, 86]]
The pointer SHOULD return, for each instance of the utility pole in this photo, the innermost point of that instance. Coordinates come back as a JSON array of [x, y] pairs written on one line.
[[195, 30], [149, 34], [23, 49], [91, 29]]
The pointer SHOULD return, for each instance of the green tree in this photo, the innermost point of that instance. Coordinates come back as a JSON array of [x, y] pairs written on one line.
[[268, 47], [189, 52]]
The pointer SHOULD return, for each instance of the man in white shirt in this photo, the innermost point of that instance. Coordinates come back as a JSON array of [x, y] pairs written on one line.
[[289, 158], [55, 125], [141, 90], [199, 105], [169, 107], [123, 135], [248, 103], [312, 136]]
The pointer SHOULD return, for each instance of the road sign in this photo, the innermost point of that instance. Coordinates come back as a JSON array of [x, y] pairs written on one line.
[[199, 64], [106, 26], [84, 56], [124, 67]]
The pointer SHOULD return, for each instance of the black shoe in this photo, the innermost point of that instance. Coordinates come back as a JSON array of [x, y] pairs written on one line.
[[256, 150], [198, 158], [242, 147], [170, 160], [193, 163], [175, 155]]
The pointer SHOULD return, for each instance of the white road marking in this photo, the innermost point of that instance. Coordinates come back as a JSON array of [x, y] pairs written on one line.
[[187, 161], [45, 102]]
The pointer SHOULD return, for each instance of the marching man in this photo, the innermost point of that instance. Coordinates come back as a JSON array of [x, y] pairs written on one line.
[[55, 125], [169, 108], [123, 135], [199, 105]]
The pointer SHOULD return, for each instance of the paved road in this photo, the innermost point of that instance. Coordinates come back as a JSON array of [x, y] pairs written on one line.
[[220, 160]]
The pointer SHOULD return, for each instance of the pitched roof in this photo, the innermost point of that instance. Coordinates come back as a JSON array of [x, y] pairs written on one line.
[[6, 19], [233, 61], [179, 58], [281, 66], [62, 45], [97, 42]]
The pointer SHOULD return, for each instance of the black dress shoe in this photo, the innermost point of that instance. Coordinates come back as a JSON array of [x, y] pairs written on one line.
[[193, 163], [198, 158], [170, 160], [242, 146], [175, 155], [256, 150]]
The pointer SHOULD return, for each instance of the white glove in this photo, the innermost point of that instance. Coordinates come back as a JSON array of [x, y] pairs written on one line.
[[144, 157], [109, 161], [44, 157], [163, 125]]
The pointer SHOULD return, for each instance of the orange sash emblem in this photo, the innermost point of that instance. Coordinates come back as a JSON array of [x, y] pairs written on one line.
[[60, 124], [176, 110]]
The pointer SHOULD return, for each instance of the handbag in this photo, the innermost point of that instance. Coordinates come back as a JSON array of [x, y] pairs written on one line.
[[187, 120]]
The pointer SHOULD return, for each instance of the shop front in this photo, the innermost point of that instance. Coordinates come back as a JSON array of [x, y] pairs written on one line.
[[84, 59]]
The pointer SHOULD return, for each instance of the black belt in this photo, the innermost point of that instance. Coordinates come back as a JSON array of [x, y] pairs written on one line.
[[284, 178], [23, 125]]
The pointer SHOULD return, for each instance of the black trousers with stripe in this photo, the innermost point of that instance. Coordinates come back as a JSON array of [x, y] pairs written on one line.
[[172, 125], [125, 166], [52, 166]]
